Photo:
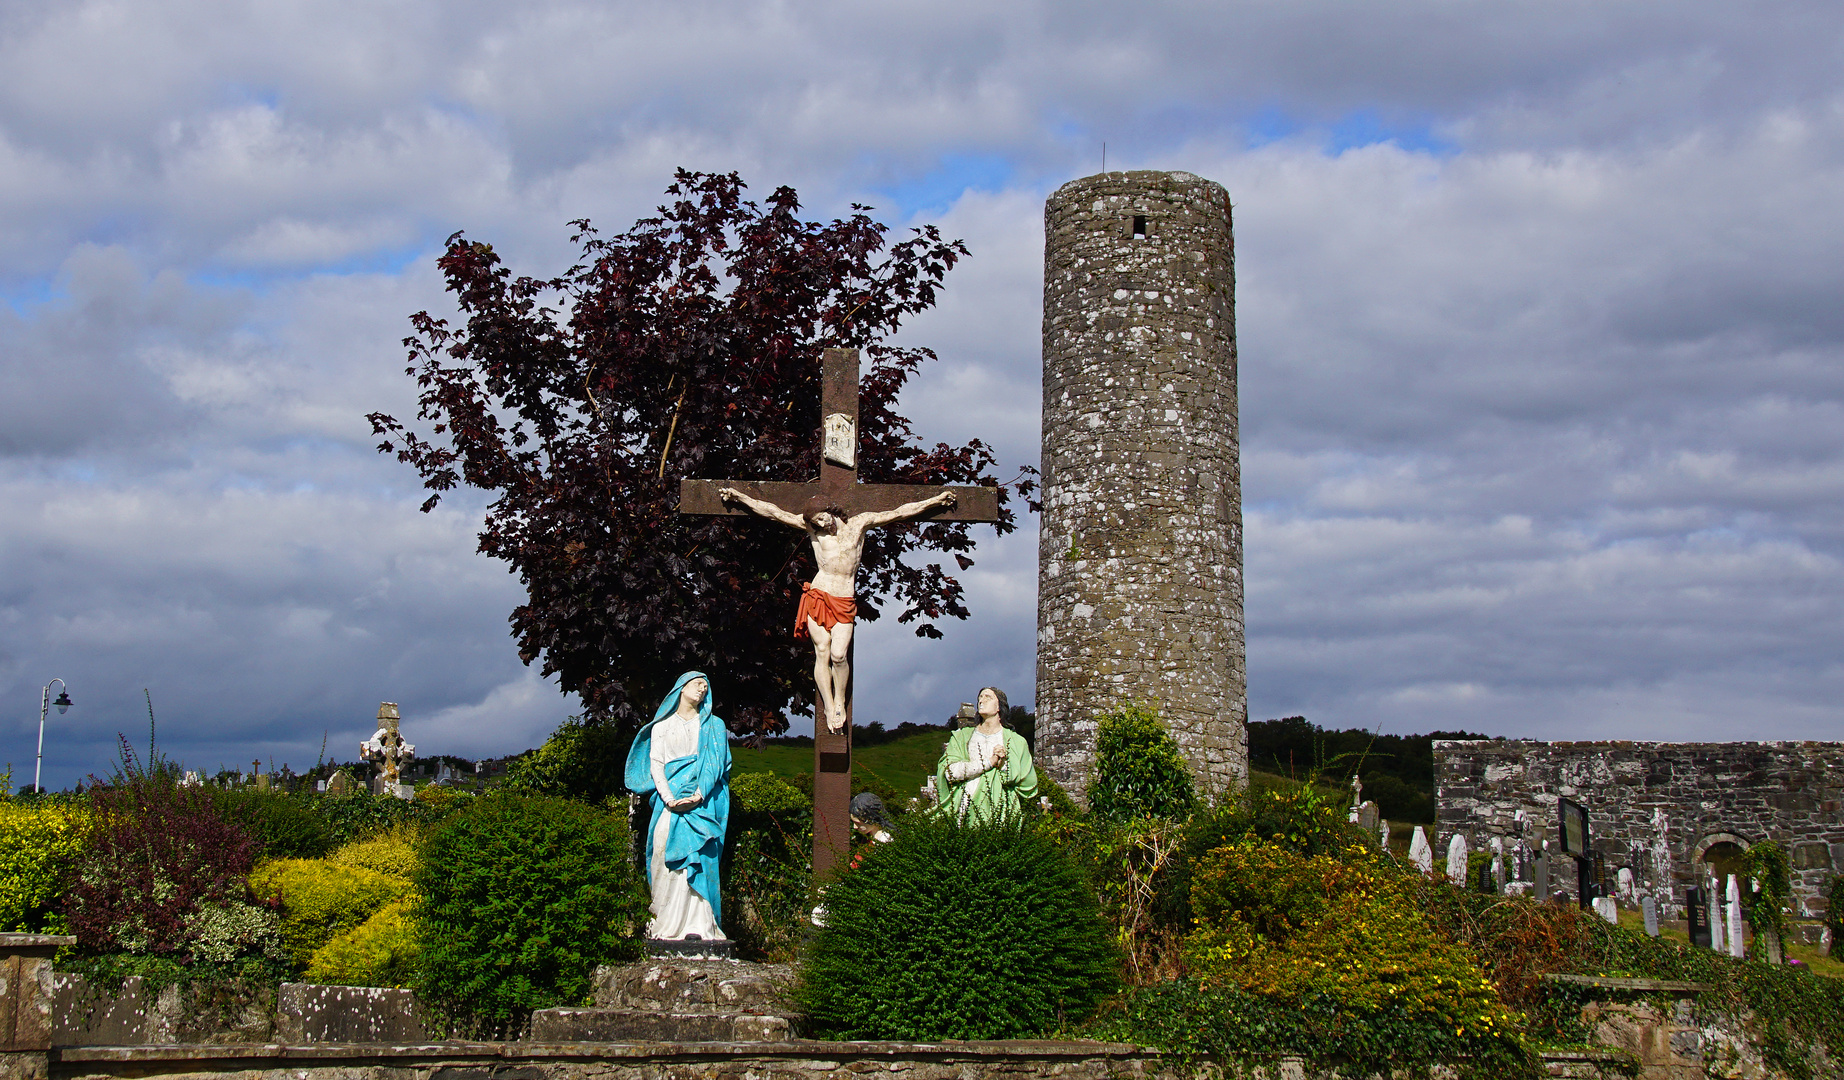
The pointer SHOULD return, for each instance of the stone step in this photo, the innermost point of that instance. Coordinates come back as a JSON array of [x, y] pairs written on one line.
[[642, 1025], [718, 987]]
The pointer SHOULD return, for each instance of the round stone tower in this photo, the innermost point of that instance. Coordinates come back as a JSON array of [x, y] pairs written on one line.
[[1140, 558]]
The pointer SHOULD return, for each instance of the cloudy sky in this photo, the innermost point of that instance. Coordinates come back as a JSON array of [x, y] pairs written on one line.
[[1542, 348]]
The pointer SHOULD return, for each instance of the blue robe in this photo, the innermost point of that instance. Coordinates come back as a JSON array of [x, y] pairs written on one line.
[[695, 838]]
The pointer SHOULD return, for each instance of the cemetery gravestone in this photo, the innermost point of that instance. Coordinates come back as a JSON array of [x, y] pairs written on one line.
[[387, 748], [1649, 908], [1421, 853], [1456, 859], [1735, 918], [1696, 918]]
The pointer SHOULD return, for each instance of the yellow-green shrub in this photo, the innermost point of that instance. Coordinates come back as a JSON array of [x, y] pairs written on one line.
[[392, 851], [381, 951], [321, 899], [1340, 943], [39, 842]]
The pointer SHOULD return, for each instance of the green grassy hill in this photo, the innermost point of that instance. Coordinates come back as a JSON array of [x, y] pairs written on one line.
[[899, 765]]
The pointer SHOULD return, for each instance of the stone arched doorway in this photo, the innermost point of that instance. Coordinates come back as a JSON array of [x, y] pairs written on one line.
[[1718, 855]]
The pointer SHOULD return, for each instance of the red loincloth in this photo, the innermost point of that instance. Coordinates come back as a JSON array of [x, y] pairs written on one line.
[[823, 608]]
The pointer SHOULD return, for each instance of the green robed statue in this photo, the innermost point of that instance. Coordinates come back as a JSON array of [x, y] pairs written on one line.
[[985, 774]]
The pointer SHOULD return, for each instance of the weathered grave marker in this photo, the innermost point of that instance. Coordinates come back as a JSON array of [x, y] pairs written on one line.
[[1648, 906], [1421, 853], [1719, 922], [838, 486], [1456, 860], [1735, 918]]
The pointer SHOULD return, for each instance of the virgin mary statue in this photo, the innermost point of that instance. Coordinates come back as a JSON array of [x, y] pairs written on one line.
[[682, 758]]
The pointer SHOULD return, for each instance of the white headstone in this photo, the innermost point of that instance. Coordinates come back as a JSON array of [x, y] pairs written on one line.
[[1456, 859], [1604, 907], [1421, 853], [1735, 917], [1649, 908], [1718, 923], [1383, 833], [1623, 884]]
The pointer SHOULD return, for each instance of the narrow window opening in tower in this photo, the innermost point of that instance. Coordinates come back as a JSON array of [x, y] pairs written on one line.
[[1139, 226]]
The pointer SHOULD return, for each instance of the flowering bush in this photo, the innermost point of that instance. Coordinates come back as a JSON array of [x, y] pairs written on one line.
[[39, 842], [1323, 955], [163, 872]]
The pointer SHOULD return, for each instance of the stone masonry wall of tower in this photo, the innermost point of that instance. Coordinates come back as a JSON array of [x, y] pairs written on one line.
[[1140, 555]]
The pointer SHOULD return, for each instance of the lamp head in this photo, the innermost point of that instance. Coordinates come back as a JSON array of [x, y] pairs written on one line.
[[62, 701]]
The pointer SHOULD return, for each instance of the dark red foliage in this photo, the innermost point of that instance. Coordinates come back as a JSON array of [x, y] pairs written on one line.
[[688, 346], [159, 851]]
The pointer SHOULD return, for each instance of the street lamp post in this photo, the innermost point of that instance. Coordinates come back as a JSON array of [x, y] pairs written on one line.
[[44, 706]]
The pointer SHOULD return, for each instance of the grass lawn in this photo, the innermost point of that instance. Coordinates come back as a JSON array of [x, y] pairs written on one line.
[[900, 764], [1812, 956]]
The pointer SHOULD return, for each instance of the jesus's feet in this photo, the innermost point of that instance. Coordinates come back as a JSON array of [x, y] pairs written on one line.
[[835, 720]]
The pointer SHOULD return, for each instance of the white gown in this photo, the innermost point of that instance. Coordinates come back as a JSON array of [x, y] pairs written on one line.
[[678, 911]]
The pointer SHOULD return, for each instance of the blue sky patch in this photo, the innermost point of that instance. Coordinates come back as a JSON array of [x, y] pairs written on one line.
[[938, 189], [383, 261], [1352, 131]]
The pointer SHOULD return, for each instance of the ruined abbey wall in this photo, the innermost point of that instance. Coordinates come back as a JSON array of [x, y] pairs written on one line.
[[1140, 555], [1654, 808]]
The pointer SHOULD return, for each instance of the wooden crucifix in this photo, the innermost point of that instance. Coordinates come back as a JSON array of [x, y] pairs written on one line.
[[835, 510]]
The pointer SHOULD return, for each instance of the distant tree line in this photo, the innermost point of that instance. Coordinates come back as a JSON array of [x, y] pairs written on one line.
[[1397, 770]]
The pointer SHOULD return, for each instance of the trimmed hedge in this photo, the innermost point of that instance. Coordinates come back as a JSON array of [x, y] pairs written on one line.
[[522, 897], [285, 825], [955, 931]]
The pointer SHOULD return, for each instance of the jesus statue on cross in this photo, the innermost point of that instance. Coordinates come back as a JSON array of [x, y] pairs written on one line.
[[828, 603], [835, 510]]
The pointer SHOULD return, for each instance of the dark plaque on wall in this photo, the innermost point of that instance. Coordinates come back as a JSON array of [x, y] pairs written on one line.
[[1574, 827]]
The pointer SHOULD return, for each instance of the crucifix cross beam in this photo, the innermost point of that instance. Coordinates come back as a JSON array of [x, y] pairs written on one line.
[[837, 547]]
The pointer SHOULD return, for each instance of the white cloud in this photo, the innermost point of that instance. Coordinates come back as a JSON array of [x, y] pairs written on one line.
[[1540, 352]]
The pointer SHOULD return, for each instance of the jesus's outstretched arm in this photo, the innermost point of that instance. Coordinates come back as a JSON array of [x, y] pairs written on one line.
[[905, 512], [757, 506]]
